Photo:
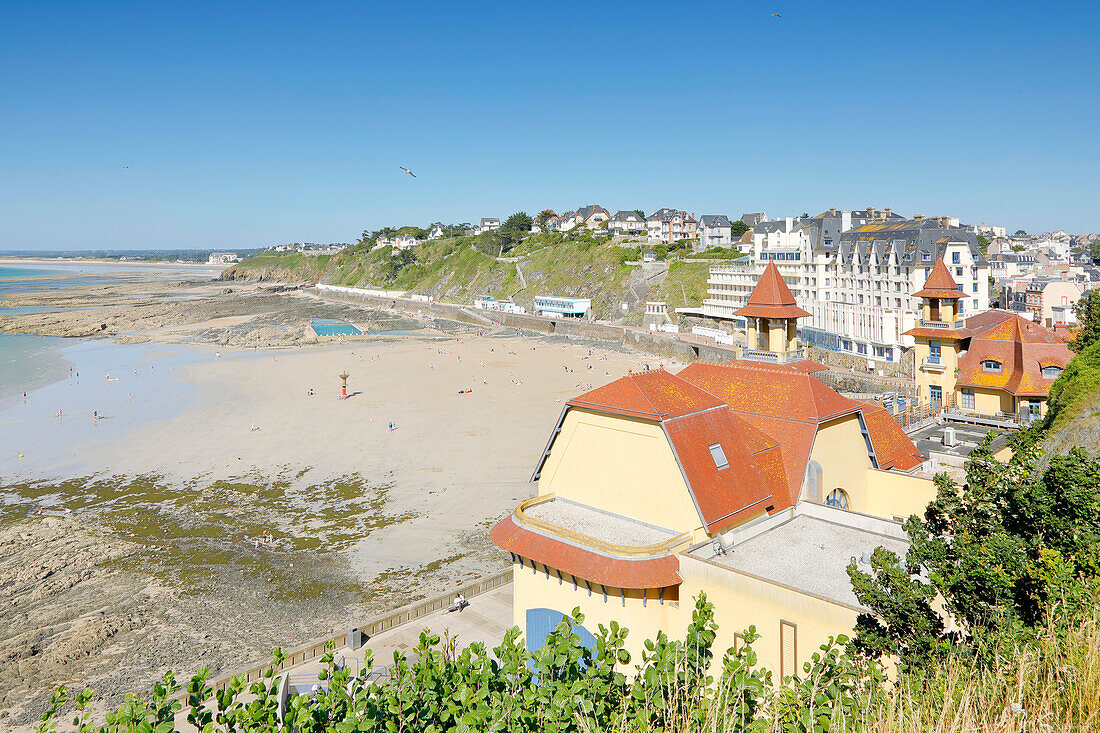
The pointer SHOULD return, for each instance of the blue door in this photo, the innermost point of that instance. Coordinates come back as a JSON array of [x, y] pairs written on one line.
[[541, 621]]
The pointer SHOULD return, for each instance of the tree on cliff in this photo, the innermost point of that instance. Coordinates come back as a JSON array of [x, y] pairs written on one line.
[[1087, 311], [514, 229], [1008, 551]]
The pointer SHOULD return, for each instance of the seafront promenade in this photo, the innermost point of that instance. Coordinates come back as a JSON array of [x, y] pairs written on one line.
[[485, 619]]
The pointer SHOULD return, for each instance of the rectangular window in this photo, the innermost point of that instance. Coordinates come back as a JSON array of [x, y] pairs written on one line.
[[934, 352], [955, 258], [719, 456], [958, 272], [968, 398], [991, 365], [935, 394]]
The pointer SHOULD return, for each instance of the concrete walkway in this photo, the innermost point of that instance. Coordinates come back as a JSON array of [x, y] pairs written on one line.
[[485, 620]]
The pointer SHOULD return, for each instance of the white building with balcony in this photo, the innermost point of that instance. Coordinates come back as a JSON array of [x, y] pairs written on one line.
[[855, 273]]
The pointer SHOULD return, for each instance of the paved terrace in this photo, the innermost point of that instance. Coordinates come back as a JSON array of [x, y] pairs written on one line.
[[929, 439], [598, 524], [485, 620], [806, 553]]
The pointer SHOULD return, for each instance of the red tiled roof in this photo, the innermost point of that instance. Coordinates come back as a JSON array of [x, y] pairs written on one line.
[[595, 567], [1023, 348], [771, 298], [893, 448], [654, 395], [805, 366], [796, 439], [747, 486], [751, 387], [980, 321], [940, 284], [764, 416]]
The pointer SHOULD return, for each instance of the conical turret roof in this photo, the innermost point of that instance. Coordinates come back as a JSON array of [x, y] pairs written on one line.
[[771, 298], [940, 284]]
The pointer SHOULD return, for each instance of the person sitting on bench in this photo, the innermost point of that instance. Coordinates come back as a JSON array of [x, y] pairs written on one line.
[[460, 603]]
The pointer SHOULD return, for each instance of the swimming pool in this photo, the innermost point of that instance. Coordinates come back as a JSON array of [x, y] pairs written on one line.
[[333, 327]]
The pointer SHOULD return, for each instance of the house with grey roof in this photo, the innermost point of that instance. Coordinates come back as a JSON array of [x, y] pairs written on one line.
[[671, 225], [715, 230], [626, 222], [591, 216]]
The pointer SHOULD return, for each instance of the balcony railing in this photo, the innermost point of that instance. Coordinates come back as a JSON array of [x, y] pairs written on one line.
[[758, 355], [934, 364], [934, 324]]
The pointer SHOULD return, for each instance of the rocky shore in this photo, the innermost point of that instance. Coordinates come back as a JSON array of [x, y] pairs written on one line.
[[243, 315]]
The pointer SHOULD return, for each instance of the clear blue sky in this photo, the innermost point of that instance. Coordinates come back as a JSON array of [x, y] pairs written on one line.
[[253, 124]]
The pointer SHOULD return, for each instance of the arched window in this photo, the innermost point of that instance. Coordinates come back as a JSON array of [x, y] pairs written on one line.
[[991, 365], [838, 498], [812, 484], [541, 621], [1052, 372]]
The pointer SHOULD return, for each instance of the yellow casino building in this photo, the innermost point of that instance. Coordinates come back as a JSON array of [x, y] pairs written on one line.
[[750, 481]]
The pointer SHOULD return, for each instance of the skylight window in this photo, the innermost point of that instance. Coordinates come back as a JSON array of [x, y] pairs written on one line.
[[719, 456]]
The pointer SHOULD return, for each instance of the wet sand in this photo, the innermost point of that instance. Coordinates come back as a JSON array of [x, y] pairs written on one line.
[[207, 446]]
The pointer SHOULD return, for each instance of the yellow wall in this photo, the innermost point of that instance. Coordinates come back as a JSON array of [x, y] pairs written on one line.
[[532, 589], [991, 400], [841, 452], [949, 356], [620, 465], [893, 494], [742, 600]]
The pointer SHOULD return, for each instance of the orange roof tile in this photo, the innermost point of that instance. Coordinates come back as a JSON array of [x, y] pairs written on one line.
[[1022, 348], [771, 298], [940, 284], [746, 486], [755, 388], [893, 448], [653, 395], [586, 563]]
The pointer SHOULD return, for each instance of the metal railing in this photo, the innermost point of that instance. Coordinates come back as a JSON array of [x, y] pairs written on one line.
[[934, 324], [758, 355], [933, 363], [371, 627]]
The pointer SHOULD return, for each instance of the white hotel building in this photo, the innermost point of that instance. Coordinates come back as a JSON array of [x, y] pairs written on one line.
[[855, 273]]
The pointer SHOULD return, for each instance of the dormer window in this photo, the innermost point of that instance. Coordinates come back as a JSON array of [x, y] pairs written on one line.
[[1052, 372], [991, 365], [719, 456]]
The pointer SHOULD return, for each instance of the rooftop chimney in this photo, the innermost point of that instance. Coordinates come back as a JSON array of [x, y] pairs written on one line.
[[832, 211], [870, 212], [887, 211], [918, 217]]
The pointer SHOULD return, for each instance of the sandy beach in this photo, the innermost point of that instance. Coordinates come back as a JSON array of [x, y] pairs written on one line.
[[136, 518]]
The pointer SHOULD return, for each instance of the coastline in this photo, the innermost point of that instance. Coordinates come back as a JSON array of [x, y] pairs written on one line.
[[366, 518]]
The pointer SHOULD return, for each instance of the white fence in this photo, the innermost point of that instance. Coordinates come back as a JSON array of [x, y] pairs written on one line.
[[665, 327], [720, 337], [364, 291]]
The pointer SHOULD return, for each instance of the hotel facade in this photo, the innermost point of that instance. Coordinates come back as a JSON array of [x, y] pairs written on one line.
[[855, 273]]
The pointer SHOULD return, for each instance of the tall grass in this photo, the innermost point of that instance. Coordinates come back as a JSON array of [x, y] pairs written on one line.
[[1047, 685], [1051, 684]]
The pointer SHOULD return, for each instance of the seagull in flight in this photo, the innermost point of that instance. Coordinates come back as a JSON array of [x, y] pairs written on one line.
[[776, 15], [125, 166], [407, 171]]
